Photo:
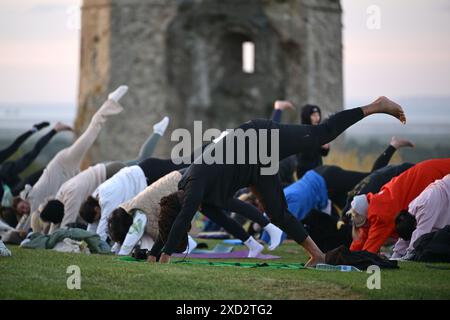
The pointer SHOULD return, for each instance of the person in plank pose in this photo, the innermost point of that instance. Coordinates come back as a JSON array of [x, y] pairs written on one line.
[[208, 186]]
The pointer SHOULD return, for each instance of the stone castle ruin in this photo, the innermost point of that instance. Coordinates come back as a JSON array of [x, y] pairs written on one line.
[[186, 59]]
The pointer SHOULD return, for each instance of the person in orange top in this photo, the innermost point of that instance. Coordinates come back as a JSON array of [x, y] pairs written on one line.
[[374, 215]]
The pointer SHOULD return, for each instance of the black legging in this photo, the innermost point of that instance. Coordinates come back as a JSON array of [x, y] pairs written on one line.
[[31, 180], [10, 170], [292, 140], [155, 168], [323, 230], [242, 208], [295, 139], [218, 216], [13, 147]]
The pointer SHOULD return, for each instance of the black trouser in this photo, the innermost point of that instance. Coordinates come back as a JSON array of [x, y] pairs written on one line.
[[295, 139], [10, 170], [339, 181], [155, 168], [31, 180], [323, 230], [218, 216], [13, 147]]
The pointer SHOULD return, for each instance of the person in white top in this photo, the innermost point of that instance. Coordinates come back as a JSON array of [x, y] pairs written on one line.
[[65, 165], [121, 187]]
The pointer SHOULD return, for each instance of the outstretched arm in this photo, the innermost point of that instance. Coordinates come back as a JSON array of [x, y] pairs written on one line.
[[278, 108]]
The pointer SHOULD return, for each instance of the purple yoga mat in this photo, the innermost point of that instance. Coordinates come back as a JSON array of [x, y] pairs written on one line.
[[230, 255]]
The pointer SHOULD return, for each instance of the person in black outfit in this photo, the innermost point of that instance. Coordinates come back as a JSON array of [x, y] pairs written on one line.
[[339, 181], [10, 170], [12, 148], [311, 115], [214, 184]]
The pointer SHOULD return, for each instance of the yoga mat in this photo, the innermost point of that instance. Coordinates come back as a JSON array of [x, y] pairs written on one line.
[[213, 235], [230, 255], [289, 266], [232, 241], [220, 248]]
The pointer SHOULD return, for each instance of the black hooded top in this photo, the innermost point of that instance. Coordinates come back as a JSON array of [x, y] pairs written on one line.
[[310, 160]]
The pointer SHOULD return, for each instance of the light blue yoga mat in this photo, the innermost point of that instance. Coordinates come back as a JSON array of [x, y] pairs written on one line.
[[220, 248], [233, 241]]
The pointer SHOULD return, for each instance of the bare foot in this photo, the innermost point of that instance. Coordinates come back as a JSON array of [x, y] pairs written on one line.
[[151, 259], [385, 105], [313, 261], [62, 127], [400, 143]]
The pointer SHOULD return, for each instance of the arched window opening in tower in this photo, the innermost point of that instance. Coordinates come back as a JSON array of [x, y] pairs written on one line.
[[248, 57]]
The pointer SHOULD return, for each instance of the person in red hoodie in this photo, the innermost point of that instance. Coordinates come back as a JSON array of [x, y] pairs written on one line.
[[374, 215]]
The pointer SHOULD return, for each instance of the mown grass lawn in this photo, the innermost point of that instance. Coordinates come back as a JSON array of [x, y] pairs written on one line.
[[41, 274]]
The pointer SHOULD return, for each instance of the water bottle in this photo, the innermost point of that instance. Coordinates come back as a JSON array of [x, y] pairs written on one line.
[[329, 267]]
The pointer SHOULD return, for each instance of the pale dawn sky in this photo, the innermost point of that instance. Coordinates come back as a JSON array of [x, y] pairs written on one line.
[[409, 55]]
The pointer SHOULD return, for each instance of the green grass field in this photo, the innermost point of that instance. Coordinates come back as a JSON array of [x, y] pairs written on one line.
[[41, 274]]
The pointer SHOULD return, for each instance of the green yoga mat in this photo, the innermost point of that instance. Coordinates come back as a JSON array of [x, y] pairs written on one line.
[[288, 266], [265, 265]]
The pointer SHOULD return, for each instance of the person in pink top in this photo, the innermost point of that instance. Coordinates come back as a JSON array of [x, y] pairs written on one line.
[[429, 212]]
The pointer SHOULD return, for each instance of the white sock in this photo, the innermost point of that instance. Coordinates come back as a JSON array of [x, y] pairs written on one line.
[[118, 93], [4, 252], [328, 208], [161, 126], [192, 244], [275, 234], [254, 247]]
